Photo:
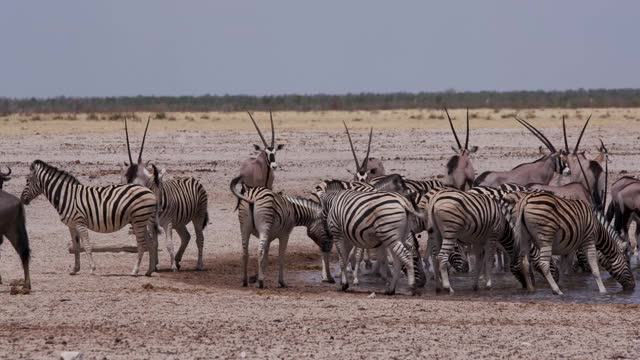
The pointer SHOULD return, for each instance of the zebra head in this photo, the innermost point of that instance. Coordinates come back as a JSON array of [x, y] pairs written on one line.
[[460, 171], [4, 176], [269, 151], [33, 187], [369, 167], [135, 173]]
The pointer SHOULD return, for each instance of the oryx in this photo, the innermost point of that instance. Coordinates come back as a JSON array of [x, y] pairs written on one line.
[[370, 168], [460, 172], [135, 173], [5, 177], [540, 171]]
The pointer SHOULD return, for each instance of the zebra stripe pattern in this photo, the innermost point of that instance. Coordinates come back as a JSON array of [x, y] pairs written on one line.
[[561, 226], [269, 215], [102, 209], [180, 201], [369, 220]]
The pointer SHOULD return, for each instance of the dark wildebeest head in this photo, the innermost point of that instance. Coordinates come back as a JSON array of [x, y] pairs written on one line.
[[4, 176], [369, 167], [135, 173], [460, 172]]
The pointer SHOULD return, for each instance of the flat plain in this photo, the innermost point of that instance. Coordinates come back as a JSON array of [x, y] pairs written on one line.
[[191, 314]]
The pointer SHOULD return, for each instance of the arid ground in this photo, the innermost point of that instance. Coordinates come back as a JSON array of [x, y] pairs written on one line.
[[190, 314]]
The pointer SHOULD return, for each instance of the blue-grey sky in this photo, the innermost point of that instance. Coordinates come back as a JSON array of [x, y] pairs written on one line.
[[259, 47]]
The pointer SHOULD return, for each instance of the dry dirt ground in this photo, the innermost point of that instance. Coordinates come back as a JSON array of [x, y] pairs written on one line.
[[208, 314]]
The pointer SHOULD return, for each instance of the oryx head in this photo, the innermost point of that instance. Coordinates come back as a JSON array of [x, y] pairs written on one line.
[[559, 164], [362, 168], [269, 151], [5, 176], [459, 168], [573, 157], [135, 173]]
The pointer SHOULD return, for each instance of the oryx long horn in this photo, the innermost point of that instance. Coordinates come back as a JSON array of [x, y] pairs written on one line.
[[353, 151], [603, 148], [259, 132], [537, 133], [7, 174], [143, 139], [453, 129], [466, 141], [126, 131], [365, 162], [273, 132], [606, 176], [581, 133], [564, 132], [586, 181]]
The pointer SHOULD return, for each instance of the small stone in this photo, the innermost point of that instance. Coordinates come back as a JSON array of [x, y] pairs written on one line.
[[372, 295], [71, 355], [243, 354]]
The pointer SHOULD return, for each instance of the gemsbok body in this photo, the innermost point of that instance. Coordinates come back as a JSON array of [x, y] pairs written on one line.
[[13, 227], [103, 209]]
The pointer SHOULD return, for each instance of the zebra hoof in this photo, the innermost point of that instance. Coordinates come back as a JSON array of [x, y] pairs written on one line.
[[245, 283], [415, 292], [329, 281], [148, 273], [343, 287], [177, 265], [253, 279], [282, 284], [260, 284], [390, 292]]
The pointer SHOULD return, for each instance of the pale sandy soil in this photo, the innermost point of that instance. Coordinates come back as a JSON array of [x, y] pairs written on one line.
[[207, 314]]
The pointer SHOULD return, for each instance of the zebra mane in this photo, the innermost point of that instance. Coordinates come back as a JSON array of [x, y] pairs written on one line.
[[44, 166], [304, 202]]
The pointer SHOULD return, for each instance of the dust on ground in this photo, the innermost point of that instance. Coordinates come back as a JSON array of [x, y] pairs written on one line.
[[191, 314]]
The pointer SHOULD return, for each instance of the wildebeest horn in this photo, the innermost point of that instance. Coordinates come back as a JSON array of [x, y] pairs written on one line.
[[453, 129], [353, 151], [259, 132], [143, 139], [581, 133], [365, 162], [126, 131], [7, 174], [564, 132], [537, 133], [273, 132], [466, 141]]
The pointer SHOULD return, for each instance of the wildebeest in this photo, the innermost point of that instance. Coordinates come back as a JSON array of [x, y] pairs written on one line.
[[13, 227]]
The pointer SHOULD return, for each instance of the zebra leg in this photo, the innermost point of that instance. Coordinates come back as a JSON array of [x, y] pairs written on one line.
[[198, 227], [326, 268], [282, 248], [592, 257], [490, 248], [443, 263], [75, 242], [367, 259], [246, 234], [263, 258], [401, 257], [342, 257], [358, 253], [168, 234], [151, 238], [83, 233], [185, 237], [545, 264], [526, 272]]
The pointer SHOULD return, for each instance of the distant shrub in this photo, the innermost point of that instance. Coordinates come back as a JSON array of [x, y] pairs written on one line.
[[416, 117], [161, 116], [204, 117], [57, 117], [92, 116], [116, 116]]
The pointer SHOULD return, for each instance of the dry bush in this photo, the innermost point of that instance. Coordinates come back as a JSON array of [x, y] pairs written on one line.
[[416, 117], [508, 115], [204, 117], [436, 116], [92, 116], [161, 116]]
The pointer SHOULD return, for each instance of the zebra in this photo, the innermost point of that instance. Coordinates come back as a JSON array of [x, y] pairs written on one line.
[[102, 209], [370, 220], [561, 226], [269, 215], [400, 184], [180, 202], [471, 219]]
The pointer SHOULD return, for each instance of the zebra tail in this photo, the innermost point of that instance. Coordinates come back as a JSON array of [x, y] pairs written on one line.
[[22, 246], [618, 216], [238, 195], [206, 220], [610, 210], [519, 227]]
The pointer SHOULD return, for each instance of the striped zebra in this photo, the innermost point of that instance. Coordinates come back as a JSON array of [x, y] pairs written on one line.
[[180, 202], [471, 219], [561, 226], [399, 183], [269, 215], [370, 220], [102, 209]]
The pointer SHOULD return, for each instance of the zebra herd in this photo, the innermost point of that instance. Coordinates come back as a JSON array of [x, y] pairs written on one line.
[[546, 215]]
